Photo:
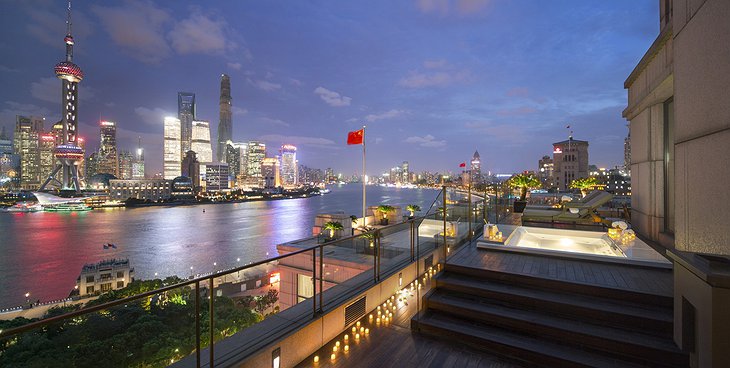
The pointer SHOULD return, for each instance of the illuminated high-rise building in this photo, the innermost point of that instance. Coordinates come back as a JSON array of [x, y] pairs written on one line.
[[476, 168], [138, 163], [26, 144], [47, 147], [68, 154], [236, 154], [289, 172], [270, 173], [201, 141], [186, 114], [9, 163], [126, 162], [225, 124], [108, 155], [255, 157], [405, 173], [172, 160]]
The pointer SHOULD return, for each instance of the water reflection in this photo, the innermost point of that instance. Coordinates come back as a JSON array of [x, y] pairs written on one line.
[[43, 252]]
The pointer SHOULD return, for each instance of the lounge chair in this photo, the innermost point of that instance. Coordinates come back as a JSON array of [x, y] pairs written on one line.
[[579, 212]]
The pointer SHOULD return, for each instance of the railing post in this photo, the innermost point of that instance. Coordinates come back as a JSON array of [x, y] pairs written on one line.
[[314, 282], [197, 324], [468, 208], [412, 239], [321, 277], [375, 257], [446, 243], [212, 326]]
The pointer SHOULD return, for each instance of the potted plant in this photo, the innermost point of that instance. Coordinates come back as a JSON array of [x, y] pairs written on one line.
[[524, 182], [413, 208], [332, 226], [584, 184], [385, 209], [370, 237], [353, 218]]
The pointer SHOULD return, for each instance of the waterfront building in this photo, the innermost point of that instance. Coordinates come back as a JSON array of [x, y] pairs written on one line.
[[9, 164], [225, 122], [570, 160], [289, 173], [236, 158], [476, 168], [104, 276], [142, 189], [183, 188], [26, 144], [545, 172], [270, 173], [47, 146], [172, 157], [108, 155], [126, 161], [678, 114], [191, 168], [201, 141], [91, 166], [405, 173], [186, 115], [138, 163], [216, 177]]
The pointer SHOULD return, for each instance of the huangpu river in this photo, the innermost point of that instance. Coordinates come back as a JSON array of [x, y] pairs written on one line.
[[42, 253]]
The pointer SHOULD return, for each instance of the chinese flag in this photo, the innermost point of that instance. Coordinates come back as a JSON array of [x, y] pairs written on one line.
[[463, 164], [355, 137]]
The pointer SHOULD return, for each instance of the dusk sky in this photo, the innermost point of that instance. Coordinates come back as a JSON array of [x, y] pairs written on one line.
[[433, 80]]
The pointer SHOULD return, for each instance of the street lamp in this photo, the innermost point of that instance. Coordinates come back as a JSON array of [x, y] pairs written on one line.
[[27, 298]]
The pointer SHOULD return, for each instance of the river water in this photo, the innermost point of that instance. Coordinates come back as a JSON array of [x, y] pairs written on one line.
[[43, 252]]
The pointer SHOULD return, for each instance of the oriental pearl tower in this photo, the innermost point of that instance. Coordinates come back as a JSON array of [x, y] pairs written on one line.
[[68, 154]]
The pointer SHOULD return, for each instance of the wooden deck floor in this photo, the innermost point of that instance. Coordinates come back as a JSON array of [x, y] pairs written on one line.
[[611, 275]]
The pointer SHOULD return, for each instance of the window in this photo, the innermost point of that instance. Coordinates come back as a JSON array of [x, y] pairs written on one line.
[[89, 290], [90, 280], [305, 287], [669, 166], [120, 284], [120, 274], [106, 287]]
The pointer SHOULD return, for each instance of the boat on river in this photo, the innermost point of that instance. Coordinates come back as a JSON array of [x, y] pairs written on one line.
[[67, 207], [25, 207]]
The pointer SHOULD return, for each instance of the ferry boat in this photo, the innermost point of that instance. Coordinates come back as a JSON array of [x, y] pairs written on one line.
[[25, 207], [67, 207]]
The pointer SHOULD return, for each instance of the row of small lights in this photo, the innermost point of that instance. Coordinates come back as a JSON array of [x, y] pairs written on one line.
[[384, 314]]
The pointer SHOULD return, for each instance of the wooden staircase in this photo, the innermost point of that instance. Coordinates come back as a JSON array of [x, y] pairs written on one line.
[[548, 322]]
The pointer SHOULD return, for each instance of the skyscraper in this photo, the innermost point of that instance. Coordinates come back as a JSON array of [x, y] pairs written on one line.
[[289, 172], [126, 162], [171, 150], [108, 155], [26, 144], [47, 145], [9, 163], [186, 114], [200, 143], [405, 173], [68, 154], [225, 124], [256, 155], [236, 158], [545, 169], [270, 173], [138, 163], [476, 168]]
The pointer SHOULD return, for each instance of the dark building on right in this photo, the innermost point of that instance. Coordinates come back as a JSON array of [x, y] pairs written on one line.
[[679, 115]]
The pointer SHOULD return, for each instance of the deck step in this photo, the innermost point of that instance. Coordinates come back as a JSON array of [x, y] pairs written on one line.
[[630, 345], [531, 350], [617, 313], [575, 287]]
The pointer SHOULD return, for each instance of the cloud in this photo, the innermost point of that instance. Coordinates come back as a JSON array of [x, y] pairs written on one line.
[[295, 82], [386, 115], [47, 89], [270, 121], [238, 111], [200, 34], [154, 116], [299, 140], [12, 108], [434, 64], [267, 86], [332, 98], [138, 28], [518, 92], [449, 7], [235, 66], [47, 26], [524, 110], [433, 79], [426, 141], [7, 69]]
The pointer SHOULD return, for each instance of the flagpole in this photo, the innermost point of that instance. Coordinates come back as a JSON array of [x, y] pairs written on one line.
[[363, 177]]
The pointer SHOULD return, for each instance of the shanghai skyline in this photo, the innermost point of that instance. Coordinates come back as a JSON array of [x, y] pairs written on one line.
[[433, 80]]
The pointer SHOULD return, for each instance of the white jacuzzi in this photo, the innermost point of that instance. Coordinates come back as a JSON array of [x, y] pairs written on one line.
[[575, 241]]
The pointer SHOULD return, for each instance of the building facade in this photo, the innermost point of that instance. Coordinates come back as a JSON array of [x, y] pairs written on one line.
[[108, 155], [289, 172], [191, 168], [216, 177], [270, 173], [138, 163], [545, 172], [476, 168], [172, 157], [143, 189], [126, 162], [570, 160], [107, 275], [186, 115], [678, 109], [201, 141], [26, 144], [254, 160]]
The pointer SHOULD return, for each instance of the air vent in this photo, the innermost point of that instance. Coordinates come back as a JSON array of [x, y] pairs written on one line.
[[354, 311]]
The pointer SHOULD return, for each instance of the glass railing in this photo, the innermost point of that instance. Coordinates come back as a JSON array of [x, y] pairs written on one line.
[[228, 314]]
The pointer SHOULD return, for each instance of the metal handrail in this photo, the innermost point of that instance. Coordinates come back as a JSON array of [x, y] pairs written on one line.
[[114, 303]]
